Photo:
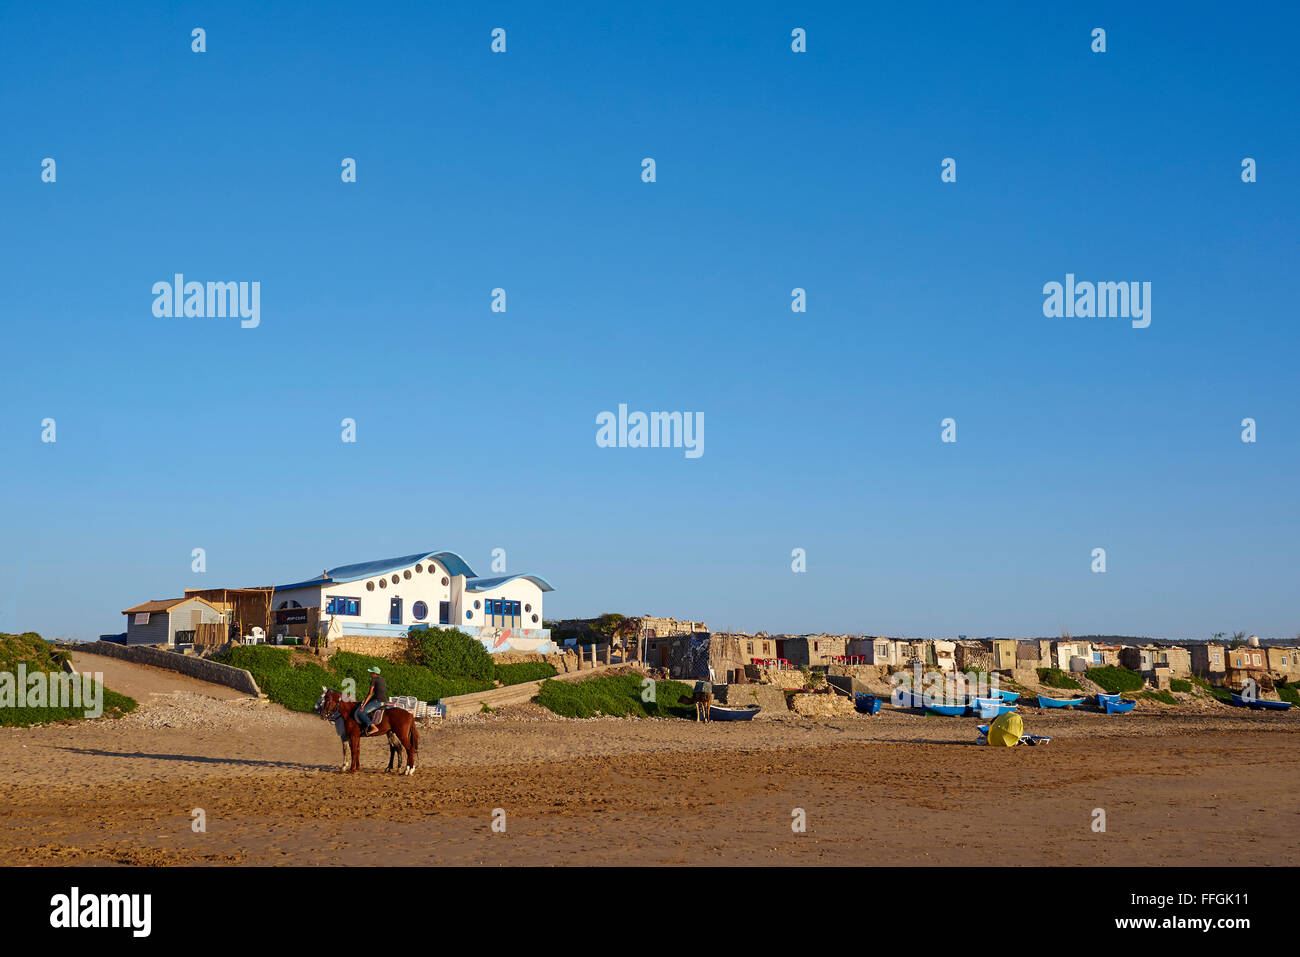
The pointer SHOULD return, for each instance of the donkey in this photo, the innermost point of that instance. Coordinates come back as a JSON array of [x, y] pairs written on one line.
[[397, 722], [702, 700]]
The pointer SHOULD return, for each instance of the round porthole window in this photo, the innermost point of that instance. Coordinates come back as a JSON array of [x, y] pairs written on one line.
[[469, 614], [534, 619], [370, 586], [477, 604], [396, 579], [530, 608], [420, 610], [407, 574], [445, 581], [383, 583], [419, 568]]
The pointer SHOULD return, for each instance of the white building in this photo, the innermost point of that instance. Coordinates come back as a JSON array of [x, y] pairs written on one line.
[[427, 589]]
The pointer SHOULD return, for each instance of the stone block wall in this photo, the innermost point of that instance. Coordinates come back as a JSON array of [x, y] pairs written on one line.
[[195, 667]]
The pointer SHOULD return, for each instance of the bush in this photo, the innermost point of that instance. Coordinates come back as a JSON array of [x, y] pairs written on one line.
[[35, 654], [1289, 692], [618, 696], [1056, 678], [1164, 697], [1115, 680], [295, 680], [525, 671], [1179, 685], [447, 651]]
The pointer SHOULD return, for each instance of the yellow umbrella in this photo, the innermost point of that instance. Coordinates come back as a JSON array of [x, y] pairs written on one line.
[[1005, 731]]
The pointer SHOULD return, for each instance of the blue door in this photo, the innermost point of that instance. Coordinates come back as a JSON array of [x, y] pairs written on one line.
[[395, 612]]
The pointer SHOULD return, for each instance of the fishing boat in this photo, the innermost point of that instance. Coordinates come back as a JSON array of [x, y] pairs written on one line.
[[989, 707], [866, 703], [947, 710], [1259, 704], [1101, 698], [1007, 696], [1046, 702], [1116, 706], [719, 712]]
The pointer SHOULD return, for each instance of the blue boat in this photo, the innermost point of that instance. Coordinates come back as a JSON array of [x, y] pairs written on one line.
[[1046, 702], [866, 703], [723, 713], [947, 710], [1007, 696], [1259, 704], [1101, 698], [989, 707], [1115, 705]]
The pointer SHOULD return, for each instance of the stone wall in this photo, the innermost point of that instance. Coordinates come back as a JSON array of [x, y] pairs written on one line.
[[195, 667], [829, 705], [768, 697], [373, 646]]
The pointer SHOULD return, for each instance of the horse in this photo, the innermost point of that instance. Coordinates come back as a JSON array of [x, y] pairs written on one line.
[[397, 722], [702, 701], [394, 746]]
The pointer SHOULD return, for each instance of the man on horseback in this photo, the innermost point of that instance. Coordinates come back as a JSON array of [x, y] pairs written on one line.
[[374, 703]]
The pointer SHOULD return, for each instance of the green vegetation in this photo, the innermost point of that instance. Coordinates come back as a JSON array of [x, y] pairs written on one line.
[[1179, 685], [618, 696], [294, 679], [1289, 692], [525, 671], [1114, 680], [446, 651], [35, 654], [1219, 694], [1056, 678], [1164, 697]]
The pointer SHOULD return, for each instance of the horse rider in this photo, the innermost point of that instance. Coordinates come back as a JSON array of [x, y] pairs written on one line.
[[373, 704]]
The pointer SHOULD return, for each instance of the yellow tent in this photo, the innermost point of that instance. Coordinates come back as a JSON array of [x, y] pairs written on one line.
[[1005, 731]]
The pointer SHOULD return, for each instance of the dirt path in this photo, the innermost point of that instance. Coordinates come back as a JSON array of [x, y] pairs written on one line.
[[145, 683], [898, 789]]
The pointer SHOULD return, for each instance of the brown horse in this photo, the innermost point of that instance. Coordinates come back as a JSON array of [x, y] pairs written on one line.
[[398, 723]]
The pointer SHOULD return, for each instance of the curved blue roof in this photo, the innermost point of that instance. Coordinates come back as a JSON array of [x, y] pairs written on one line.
[[350, 573], [483, 584]]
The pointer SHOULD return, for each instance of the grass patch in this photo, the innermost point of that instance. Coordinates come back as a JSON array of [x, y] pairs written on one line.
[[295, 680], [525, 671], [1164, 697], [618, 696], [1179, 685], [34, 654], [1056, 678], [1218, 694], [1114, 680]]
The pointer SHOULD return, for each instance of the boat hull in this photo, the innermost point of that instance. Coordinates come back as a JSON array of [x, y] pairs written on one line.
[[866, 703], [1046, 702], [1117, 706], [719, 713]]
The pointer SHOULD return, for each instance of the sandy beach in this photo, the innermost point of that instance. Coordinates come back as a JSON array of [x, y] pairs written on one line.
[[1208, 788]]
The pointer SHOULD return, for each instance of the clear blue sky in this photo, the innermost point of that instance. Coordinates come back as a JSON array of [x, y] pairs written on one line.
[[476, 430]]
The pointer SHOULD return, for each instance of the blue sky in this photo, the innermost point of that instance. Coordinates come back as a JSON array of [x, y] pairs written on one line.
[[775, 170]]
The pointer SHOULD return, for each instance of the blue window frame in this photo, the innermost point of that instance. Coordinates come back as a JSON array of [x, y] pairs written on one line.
[[338, 605], [444, 613], [395, 612], [419, 611]]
